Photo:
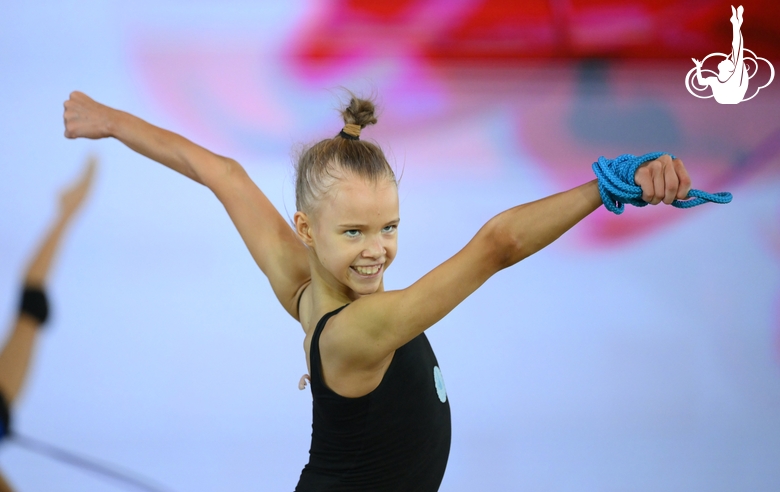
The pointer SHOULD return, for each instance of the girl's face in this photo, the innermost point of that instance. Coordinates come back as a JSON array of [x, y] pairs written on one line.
[[354, 234]]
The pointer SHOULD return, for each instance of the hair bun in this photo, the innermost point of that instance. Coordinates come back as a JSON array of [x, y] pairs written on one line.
[[359, 112]]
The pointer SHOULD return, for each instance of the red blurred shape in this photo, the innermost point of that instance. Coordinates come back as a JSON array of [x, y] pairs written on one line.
[[470, 30], [382, 9]]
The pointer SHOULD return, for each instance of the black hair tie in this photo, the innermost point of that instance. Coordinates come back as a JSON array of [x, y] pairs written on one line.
[[348, 136]]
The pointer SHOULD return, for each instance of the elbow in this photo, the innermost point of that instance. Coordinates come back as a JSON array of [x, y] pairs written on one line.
[[225, 173], [231, 168], [506, 249]]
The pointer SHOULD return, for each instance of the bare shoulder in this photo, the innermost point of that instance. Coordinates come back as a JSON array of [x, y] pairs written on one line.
[[351, 336]]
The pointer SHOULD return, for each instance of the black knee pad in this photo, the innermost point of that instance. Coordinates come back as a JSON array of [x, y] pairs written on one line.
[[35, 303], [5, 417]]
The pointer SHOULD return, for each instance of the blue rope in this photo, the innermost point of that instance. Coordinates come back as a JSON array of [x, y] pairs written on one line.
[[617, 185]]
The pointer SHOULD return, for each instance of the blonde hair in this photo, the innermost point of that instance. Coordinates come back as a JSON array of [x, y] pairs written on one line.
[[320, 165]]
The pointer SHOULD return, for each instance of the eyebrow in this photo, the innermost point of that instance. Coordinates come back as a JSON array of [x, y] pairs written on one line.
[[357, 226]]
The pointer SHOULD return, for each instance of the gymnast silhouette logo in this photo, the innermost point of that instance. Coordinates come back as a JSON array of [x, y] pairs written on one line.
[[730, 84]]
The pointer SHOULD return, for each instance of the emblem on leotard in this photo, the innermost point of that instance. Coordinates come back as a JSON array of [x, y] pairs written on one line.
[[730, 84], [438, 380]]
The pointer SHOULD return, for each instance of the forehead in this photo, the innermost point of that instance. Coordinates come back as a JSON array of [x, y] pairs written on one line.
[[354, 200]]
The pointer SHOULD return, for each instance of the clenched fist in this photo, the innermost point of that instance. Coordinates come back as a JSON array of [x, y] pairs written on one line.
[[663, 179], [85, 117]]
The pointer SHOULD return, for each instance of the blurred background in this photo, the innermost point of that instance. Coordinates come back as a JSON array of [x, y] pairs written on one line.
[[637, 353]]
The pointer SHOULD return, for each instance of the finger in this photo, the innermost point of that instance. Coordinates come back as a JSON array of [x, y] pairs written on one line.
[[658, 183], [87, 173], [685, 180], [671, 183], [92, 162], [68, 129], [643, 179]]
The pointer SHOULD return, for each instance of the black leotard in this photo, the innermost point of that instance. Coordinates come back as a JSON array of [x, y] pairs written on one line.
[[396, 438]]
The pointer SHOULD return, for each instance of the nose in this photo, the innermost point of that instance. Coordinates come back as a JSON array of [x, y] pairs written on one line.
[[374, 249]]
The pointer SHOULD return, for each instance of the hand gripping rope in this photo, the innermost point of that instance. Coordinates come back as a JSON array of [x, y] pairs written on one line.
[[617, 185]]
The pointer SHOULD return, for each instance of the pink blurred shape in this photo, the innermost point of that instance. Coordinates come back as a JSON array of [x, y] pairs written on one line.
[[453, 66]]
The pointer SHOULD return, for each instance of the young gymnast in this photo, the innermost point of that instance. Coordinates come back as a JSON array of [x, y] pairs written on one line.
[[381, 418], [33, 312]]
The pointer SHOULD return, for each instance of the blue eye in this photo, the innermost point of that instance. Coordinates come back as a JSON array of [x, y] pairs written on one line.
[[389, 229], [352, 233]]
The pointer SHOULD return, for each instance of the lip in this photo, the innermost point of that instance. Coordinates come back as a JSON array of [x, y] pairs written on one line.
[[360, 275]]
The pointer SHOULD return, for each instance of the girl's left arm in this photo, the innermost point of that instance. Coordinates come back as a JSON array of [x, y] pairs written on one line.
[[376, 325], [533, 226]]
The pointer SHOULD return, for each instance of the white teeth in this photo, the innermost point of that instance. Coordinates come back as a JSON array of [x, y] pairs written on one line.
[[367, 270]]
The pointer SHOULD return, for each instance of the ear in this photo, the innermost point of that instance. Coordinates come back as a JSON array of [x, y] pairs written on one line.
[[303, 228]]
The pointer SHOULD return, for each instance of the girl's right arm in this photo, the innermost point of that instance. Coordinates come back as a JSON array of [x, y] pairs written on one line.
[[274, 246]]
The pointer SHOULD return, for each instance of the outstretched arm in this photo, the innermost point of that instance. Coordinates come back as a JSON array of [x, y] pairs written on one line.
[[373, 326], [70, 201], [271, 241], [15, 355]]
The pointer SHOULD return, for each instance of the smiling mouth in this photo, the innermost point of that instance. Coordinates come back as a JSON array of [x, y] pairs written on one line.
[[367, 271]]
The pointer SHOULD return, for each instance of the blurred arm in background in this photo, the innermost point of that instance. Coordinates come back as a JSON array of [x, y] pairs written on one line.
[[15, 355]]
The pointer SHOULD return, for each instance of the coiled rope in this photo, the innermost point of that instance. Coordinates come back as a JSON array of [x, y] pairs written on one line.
[[617, 185]]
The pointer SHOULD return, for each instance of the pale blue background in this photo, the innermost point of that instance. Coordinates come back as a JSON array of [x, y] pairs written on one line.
[[645, 366]]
